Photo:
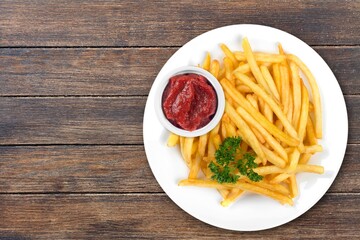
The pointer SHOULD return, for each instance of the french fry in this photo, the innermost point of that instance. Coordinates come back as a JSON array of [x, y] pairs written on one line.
[[294, 160], [310, 132], [273, 187], [314, 90], [304, 113], [268, 137], [229, 54], [241, 100], [229, 68], [273, 158], [274, 107], [248, 134], [173, 140], [202, 144], [206, 63], [261, 57], [187, 149], [245, 68], [296, 92], [253, 65], [243, 88], [216, 140], [313, 149], [304, 158], [195, 167], [285, 88], [293, 186], [215, 68], [231, 197], [241, 185], [266, 170], [270, 81], [310, 168], [277, 78], [279, 178]]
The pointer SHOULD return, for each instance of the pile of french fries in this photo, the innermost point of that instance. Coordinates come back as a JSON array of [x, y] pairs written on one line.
[[271, 109]]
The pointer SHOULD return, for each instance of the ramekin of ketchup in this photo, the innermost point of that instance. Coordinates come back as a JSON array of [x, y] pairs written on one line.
[[190, 101]]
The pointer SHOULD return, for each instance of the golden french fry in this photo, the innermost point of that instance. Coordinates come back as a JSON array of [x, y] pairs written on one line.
[[293, 186], [202, 144], [313, 149], [215, 68], [253, 101], [221, 73], [270, 81], [310, 132], [310, 168], [273, 187], [187, 149], [304, 158], [253, 65], [195, 145], [273, 158], [245, 129], [285, 88], [245, 68], [268, 137], [206, 63], [294, 160], [216, 140], [296, 93], [243, 88], [229, 54], [274, 107], [304, 113], [279, 178], [173, 140], [229, 68], [195, 166], [231, 197], [241, 185], [211, 147], [241, 100], [261, 57], [314, 90], [277, 78]]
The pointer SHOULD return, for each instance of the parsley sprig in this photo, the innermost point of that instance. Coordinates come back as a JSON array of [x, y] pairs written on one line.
[[224, 170]]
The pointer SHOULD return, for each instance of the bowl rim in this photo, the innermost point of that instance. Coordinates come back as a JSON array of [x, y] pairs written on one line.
[[219, 94]]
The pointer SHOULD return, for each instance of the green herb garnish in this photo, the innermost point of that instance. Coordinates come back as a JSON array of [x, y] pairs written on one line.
[[227, 168]]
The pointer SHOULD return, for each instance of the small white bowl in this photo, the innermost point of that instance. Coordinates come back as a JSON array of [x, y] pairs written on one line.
[[219, 94]]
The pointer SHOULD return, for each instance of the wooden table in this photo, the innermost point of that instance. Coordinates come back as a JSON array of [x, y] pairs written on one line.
[[74, 80]]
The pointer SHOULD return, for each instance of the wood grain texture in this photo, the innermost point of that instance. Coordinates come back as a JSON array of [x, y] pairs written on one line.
[[103, 71], [71, 120], [163, 23], [155, 216], [116, 169], [58, 71], [83, 120]]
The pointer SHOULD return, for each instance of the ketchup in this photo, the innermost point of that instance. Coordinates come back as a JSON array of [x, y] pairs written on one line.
[[189, 101]]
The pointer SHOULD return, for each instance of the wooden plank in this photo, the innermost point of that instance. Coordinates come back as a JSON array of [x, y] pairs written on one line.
[[57, 71], [75, 169], [99, 71], [97, 169], [71, 120], [155, 216], [83, 120], [134, 23]]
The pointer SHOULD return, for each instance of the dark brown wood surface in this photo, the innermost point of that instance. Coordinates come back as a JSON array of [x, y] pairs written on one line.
[[74, 77]]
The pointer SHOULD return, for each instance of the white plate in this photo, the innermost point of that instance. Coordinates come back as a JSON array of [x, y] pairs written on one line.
[[251, 212]]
